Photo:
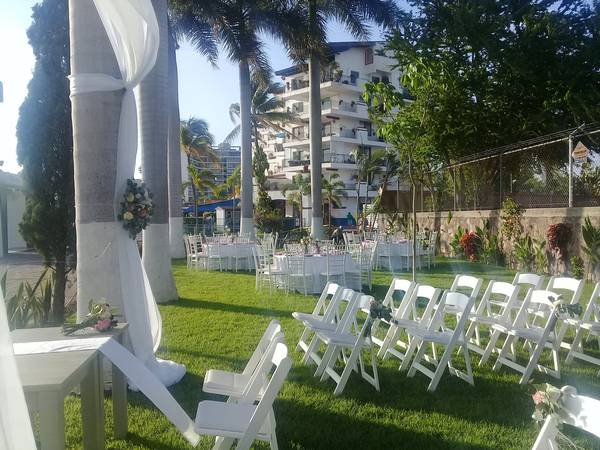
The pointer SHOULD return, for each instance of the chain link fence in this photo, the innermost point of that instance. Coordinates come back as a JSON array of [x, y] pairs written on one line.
[[536, 174]]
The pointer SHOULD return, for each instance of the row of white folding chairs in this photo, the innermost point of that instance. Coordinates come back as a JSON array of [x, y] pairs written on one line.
[[335, 323], [247, 414]]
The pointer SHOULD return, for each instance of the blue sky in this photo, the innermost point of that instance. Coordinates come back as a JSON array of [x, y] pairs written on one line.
[[204, 92]]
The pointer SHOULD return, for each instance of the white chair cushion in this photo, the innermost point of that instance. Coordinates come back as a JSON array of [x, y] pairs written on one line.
[[224, 383], [226, 419]]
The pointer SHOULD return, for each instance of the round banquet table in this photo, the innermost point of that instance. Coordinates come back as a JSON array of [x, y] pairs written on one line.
[[230, 250], [316, 265]]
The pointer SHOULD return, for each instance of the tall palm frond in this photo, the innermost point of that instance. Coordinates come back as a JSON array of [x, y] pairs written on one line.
[[196, 140]]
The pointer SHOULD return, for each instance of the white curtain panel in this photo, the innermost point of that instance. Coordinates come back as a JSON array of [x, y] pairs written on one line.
[[132, 29], [15, 426]]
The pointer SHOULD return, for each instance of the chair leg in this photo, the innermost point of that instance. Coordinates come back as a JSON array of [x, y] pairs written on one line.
[[533, 360], [439, 371], [575, 346], [347, 371], [502, 355], [489, 348], [417, 360], [414, 343]]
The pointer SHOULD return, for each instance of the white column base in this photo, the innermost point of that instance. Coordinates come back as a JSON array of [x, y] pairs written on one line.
[[316, 228], [156, 258], [176, 237], [247, 225]]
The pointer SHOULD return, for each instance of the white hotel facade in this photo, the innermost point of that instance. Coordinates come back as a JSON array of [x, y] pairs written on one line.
[[345, 125]]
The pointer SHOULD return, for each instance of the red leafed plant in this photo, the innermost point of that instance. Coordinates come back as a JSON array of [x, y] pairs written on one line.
[[558, 236], [469, 243]]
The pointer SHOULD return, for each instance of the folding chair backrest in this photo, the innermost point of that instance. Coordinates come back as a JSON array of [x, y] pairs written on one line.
[[428, 293], [268, 336], [452, 303], [572, 285], [329, 292], [531, 280], [399, 285], [467, 282], [592, 310], [282, 363], [347, 299], [538, 303], [508, 293]]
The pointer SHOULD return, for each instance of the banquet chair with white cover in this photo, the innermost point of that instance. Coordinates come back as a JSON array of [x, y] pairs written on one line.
[[405, 287], [577, 410], [233, 384], [406, 318], [538, 304], [15, 425], [335, 317], [244, 420], [491, 310], [335, 268], [364, 271], [349, 336], [589, 323], [323, 312], [438, 333], [214, 256]]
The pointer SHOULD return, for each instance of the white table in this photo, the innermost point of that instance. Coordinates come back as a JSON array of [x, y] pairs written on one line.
[[232, 251], [316, 265]]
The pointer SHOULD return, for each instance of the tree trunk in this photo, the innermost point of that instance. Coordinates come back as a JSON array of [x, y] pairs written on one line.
[[95, 132], [58, 299], [194, 195], [154, 128], [316, 152], [247, 218], [174, 160]]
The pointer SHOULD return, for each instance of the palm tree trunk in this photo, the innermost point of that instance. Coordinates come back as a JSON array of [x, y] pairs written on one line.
[[58, 299], [174, 159], [95, 132], [194, 195], [154, 128], [247, 219], [316, 152]]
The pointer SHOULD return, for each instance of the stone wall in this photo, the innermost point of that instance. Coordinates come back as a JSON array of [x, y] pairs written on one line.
[[535, 223]]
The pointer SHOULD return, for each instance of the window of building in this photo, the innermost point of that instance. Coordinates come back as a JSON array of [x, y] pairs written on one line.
[[368, 56]]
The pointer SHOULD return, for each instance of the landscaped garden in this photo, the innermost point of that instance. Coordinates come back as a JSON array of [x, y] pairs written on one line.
[[220, 317]]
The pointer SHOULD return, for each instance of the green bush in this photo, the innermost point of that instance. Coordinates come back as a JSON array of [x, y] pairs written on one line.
[[30, 306], [577, 267], [524, 252], [591, 237]]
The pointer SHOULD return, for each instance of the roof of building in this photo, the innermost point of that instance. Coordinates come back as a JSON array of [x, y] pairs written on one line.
[[10, 180], [334, 48]]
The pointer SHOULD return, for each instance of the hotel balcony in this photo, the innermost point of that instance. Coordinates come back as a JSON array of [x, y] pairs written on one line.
[[298, 88], [356, 136]]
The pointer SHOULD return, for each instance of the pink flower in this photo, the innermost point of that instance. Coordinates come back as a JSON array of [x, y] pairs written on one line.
[[103, 325], [538, 398]]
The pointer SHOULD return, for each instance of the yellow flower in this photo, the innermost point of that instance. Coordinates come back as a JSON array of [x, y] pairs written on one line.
[[127, 216], [130, 197]]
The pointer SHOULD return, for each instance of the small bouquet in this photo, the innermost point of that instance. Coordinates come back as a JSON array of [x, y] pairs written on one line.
[[100, 317], [566, 311], [377, 311], [137, 207], [305, 241]]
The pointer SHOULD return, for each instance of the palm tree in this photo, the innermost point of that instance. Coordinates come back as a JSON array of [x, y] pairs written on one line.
[[369, 164], [311, 46], [238, 25], [196, 142], [296, 190], [94, 161], [153, 107], [202, 180], [333, 191], [266, 110]]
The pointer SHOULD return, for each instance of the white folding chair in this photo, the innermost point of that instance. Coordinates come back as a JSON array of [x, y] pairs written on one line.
[[324, 311], [538, 304], [265, 272], [397, 286], [467, 284], [233, 384], [335, 317], [575, 288], [349, 336], [406, 318], [245, 420], [581, 412], [438, 333], [589, 323], [494, 308]]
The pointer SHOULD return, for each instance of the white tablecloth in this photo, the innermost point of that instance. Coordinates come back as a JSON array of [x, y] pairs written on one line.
[[316, 265], [242, 251]]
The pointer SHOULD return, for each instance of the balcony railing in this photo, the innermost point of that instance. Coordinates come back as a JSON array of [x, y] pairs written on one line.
[[301, 83], [339, 158], [297, 162]]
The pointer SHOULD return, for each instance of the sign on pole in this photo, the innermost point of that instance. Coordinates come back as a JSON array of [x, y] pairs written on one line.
[[580, 152]]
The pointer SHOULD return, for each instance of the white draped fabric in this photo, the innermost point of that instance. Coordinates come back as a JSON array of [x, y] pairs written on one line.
[[15, 426], [145, 380], [132, 29]]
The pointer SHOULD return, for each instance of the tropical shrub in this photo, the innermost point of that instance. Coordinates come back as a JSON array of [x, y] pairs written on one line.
[[470, 245], [577, 267], [540, 256], [490, 251], [558, 236], [30, 306], [591, 237], [524, 252], [511, 219], [457, 249]]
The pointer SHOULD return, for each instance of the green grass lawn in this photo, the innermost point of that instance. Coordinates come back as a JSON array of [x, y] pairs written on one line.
[[220, 317]]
